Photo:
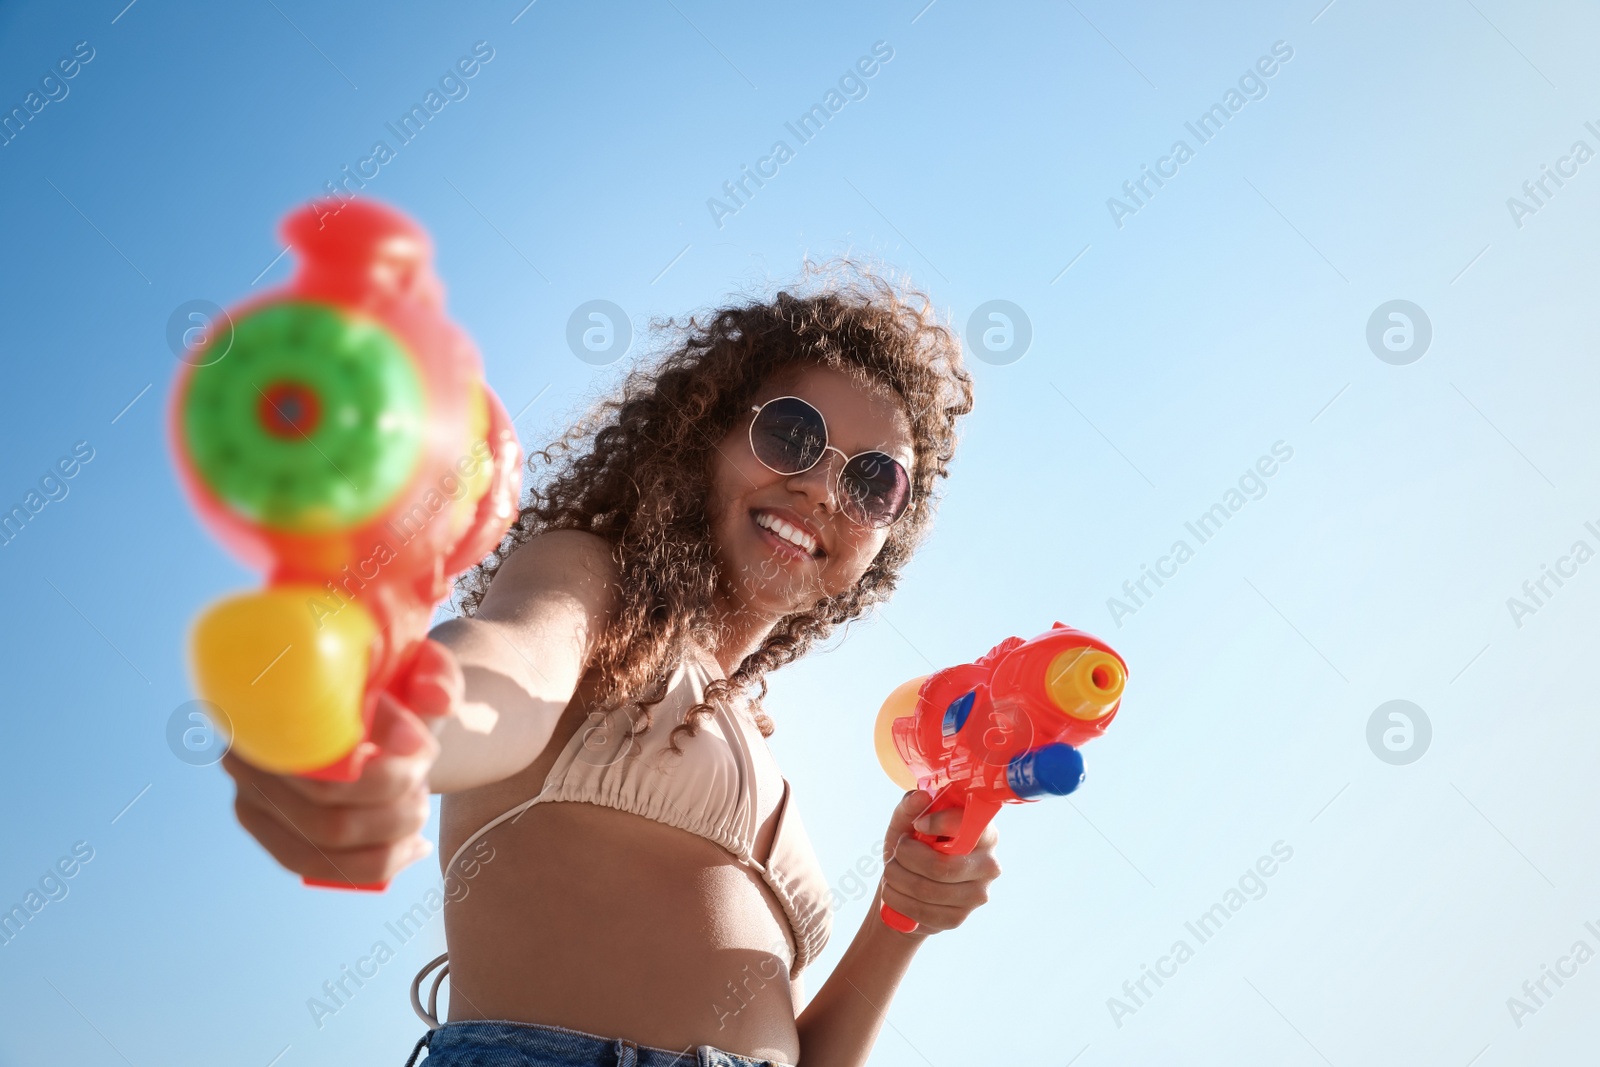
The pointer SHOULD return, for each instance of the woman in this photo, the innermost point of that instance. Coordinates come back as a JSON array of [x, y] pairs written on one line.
[[630, 880]]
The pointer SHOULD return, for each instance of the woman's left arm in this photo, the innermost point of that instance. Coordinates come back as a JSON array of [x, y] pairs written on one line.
[[840, 1025]]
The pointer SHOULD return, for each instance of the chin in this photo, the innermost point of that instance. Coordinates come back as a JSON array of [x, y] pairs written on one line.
[[762, 580]]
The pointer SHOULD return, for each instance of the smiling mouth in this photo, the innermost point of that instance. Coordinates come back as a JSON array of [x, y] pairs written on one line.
[[781, 543]]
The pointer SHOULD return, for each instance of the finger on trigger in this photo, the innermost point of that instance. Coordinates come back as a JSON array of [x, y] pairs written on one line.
[[946, 823], [385, 778], [435, 683], [399, 732], [915, 803]]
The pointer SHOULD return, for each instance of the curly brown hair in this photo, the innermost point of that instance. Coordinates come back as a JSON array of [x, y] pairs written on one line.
[[636, 470]]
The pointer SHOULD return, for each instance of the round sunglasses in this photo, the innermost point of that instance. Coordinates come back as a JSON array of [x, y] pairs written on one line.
[[789, 437]]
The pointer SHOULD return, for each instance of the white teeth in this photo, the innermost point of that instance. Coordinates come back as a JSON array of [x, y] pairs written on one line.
[[799, 538]]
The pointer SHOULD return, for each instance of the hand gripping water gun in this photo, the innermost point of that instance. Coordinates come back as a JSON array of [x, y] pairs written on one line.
[[337, 434], [1003, 730]]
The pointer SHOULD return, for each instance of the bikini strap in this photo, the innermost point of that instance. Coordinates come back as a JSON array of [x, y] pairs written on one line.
[[431, 1016], [486, 827]]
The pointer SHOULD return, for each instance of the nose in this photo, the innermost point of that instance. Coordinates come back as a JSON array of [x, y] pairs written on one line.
[[818, 482]]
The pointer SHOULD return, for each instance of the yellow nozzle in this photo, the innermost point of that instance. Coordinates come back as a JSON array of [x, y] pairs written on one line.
[[899, 704], [290, 673], [1085, 683]]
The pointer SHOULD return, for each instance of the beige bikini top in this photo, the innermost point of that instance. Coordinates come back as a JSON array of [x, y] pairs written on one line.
[[713, 789]]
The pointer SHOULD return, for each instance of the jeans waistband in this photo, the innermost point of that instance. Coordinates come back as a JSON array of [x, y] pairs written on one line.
[[481, 1043]]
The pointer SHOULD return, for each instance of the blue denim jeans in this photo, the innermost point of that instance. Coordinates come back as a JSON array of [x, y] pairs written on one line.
[[507, 1044]]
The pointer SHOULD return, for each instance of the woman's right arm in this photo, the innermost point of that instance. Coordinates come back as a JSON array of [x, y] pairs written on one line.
[[521, 656], [497, 683]]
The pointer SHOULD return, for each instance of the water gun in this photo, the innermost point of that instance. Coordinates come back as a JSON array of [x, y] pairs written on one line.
[[336, 433], [1002, 730]]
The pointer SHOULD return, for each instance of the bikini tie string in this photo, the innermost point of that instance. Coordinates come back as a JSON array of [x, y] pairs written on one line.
[[430, 1016]]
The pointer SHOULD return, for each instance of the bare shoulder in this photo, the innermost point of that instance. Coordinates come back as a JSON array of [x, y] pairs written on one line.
[[523, 655], [572, 565]]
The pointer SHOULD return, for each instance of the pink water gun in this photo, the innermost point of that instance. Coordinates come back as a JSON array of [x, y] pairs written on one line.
[[336, 434]]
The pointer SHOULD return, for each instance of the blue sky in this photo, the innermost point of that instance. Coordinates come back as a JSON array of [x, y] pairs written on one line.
[[1225, 316]]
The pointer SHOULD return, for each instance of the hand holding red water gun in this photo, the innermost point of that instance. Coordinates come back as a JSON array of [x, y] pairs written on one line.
[[1002, 730], [337, 434]]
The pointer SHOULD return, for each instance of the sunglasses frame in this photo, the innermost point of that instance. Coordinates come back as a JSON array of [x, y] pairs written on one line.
[[826, 448]]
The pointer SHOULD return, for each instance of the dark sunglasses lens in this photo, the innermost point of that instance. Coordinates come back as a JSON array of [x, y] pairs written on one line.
[[788, 435], [876, 489]]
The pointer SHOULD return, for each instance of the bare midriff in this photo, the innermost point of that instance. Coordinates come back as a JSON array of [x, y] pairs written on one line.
[[603, 921]]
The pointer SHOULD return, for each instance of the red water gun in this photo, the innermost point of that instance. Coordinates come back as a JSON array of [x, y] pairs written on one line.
[[337, 434], [1002, 730]]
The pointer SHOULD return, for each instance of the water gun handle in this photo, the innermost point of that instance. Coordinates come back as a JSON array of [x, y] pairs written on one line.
[[329, 883], [976, 814]]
